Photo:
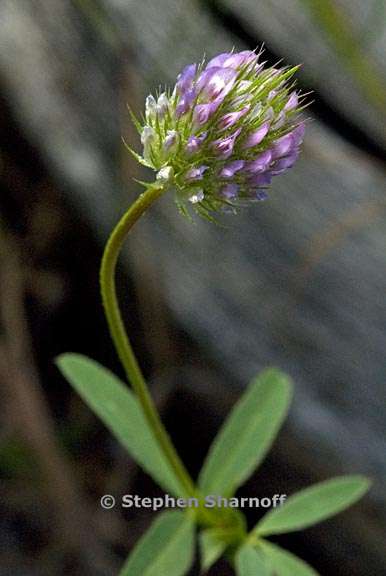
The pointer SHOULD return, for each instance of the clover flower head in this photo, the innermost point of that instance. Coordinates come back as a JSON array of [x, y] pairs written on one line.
[[226, 129]]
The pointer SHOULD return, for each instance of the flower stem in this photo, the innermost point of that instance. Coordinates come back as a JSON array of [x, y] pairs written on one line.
[[119, 335]]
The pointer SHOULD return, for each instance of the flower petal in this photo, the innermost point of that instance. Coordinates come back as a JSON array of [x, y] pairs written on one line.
[[185, 102], [283, 146], [254, 138], [261, 195], [261, 179], [292, 102], [196, 173], [229, 191], [171, 140], [260, 163], [298, 133], [230, 169], [283, 164], [215, 81], [224, 147], [185, 79], [194, 143], [239, 59], [202, 112], [231, 118], [219, 60]]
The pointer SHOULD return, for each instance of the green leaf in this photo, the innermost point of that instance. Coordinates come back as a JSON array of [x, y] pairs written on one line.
[[283, 563], [167, 549], [212, 546], [249, 562], [247, 434], [120, 411], [313, 505]]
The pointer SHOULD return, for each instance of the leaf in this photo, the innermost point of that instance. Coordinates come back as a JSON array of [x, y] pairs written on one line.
[[283, 563], [167, 549], [313, 505], [120, 411], [250, 563], [247, 434], [212, 547]]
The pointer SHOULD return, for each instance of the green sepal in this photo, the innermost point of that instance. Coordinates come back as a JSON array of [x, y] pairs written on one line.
[[134, 119], [138, 158]]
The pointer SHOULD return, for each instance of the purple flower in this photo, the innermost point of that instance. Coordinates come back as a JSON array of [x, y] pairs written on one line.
[[224, 131], [283, 164], [215, 81], [298, 133], [202, 112], [231, 118], [255, 137], [230, 169], [185, 103], [224, 147], [171, 140], [194, 143], [232, 60], [185, 79], [292, 102], [260, 163], [196, 173], [229, 191], [261, 179], [283, 146], [218, 60]]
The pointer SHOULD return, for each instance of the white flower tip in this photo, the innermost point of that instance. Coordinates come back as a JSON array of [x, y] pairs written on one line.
[[148, 135], [198, 196], [162, 104], [165, 174], [150, 107]]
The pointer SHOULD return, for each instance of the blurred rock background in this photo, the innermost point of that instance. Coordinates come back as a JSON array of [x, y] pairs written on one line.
[[298, 282]]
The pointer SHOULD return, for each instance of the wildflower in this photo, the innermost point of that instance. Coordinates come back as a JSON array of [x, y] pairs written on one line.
[[230, 126]]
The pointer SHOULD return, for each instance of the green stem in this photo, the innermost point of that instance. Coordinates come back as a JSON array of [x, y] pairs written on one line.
[[119, 335]]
